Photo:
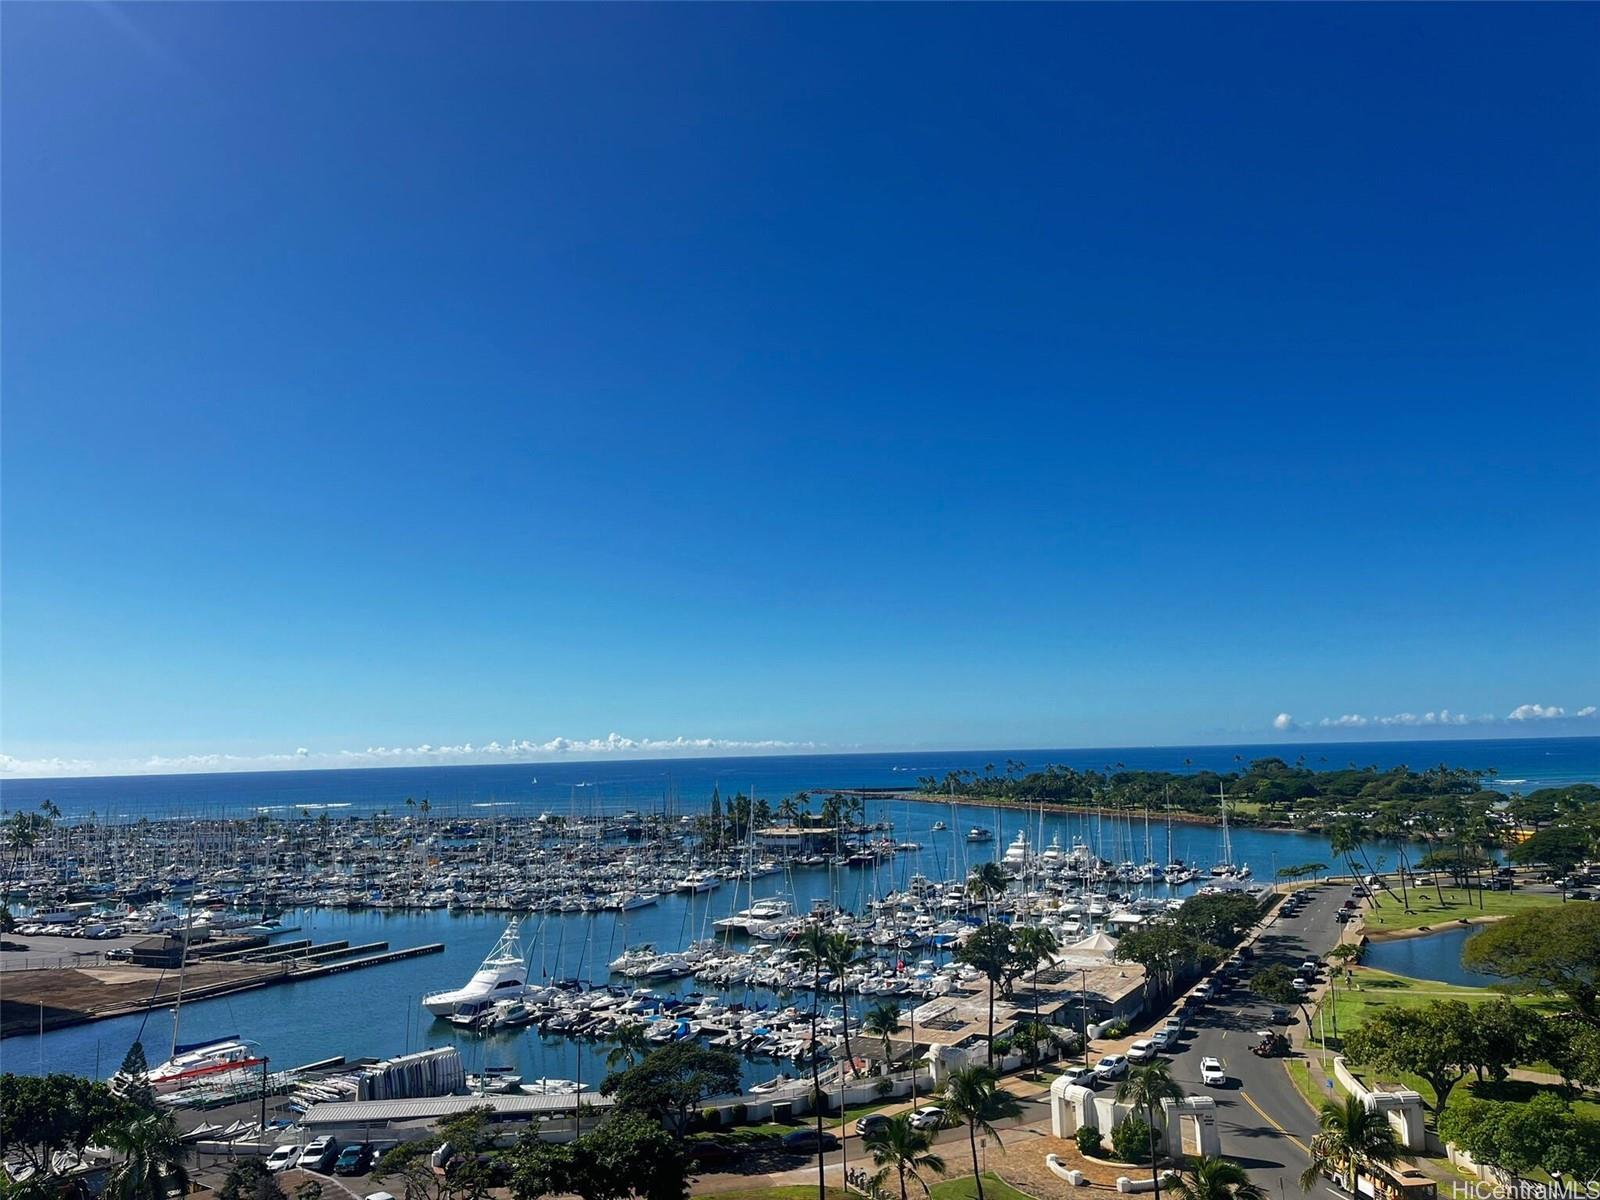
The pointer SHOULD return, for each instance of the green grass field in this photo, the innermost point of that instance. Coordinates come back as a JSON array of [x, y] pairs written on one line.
[[1387, 913]]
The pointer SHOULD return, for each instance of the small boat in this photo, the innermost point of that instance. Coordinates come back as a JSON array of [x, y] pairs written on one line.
[[977, 834]]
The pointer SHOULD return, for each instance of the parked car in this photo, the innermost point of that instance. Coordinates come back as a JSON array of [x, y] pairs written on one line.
[[930, 1117], [1166, 1038], [807, 1141], [282, 1157], [870, 1122], [354, 1159], [119, 954], [1211, 1072], [1112, 1066], [1083, 1076], [319, 1152], [1142, 1051]]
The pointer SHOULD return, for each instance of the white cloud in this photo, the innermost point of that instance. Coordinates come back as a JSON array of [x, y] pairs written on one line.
[[1442, 718], [1283, 722], [1536, 712], [459, 754]]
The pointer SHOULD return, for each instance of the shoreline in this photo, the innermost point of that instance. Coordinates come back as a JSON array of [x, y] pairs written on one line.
[[1398, 935], [1179, 816]]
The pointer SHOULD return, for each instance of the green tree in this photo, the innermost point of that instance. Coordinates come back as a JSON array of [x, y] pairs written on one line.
[[1130, 1139], [1165, 950], [1034, 946], [882, 1021], [1145, 1087], [1559, 847], [1501, 1035], [987, 883], [1211, 1178], [249, 1179], [133, 1079], [41, 1116], [973, 1097], [988, 949], [1350, 1139], [629, 1155], [1555, 949], [1219, 919], [899, 1149], [628, 1045], [1275, 985], [467, 1177], [151, 1158], [1543, 1134], [671, 1082], [1437, 1041]]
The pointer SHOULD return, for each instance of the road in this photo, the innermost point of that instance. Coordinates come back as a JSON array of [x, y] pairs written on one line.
[[1264, 1122]]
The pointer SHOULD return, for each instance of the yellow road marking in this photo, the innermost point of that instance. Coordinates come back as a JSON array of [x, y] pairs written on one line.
[[1268, 1119]]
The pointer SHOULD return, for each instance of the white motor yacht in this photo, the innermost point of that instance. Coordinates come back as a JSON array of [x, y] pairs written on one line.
[[503, 975]]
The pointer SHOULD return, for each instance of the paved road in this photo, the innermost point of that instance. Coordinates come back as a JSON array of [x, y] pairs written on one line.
[[1264, 1122]]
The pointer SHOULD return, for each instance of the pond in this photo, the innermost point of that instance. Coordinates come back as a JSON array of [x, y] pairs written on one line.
[[1432, 956]]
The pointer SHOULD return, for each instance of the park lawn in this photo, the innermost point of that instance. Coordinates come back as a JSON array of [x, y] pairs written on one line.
[[1349, 1006], [963, 1188], [1387, 913], [1307, 1075]]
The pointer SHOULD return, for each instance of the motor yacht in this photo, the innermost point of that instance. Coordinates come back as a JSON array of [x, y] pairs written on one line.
[[503, 975]]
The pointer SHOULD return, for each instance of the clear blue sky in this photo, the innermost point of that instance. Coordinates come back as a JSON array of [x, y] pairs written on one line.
[[388, 375]]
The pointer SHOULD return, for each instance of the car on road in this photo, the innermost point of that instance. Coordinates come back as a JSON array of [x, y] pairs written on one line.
[[1167, 1037], [870, 1122], [808, 1141], [1300, 985], [282, 1157], [1112, 1066], [1202, 993], [1084, 1076], [1142, 1050], [319, 1152], [931, 1117], [1280, 1016], [1211, 1072], [354, 1159]]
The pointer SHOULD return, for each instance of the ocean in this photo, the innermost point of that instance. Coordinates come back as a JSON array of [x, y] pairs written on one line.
[[616, 784]]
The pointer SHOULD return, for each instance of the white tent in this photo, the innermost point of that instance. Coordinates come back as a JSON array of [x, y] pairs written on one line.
[[1098, 942]]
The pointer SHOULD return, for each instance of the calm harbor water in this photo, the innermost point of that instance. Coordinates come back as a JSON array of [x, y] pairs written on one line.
[[376, 1012], [1436, 956]]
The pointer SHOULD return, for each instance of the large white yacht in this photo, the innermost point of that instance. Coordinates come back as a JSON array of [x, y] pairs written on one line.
[[503, 975]]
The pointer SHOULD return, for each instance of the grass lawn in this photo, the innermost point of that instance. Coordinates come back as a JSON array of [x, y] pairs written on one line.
[[1308, 1075], [1349, 1006], [1388, 913], [963, 1188]]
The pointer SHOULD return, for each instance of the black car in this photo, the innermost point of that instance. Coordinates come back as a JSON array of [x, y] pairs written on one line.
[[806, 1141], [354, 1160]]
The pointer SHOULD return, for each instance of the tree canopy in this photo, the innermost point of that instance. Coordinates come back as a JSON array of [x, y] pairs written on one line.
[[1554, 949], [670, 1083], [628, 1155]]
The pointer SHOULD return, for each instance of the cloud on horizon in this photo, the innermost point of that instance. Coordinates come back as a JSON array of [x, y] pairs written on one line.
[[462, 754], [1443, 718]]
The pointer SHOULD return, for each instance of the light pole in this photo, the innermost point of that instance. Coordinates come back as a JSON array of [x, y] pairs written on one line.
[[1083, 1013]]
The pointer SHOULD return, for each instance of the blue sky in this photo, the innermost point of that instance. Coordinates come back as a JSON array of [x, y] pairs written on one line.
[[848, 377]]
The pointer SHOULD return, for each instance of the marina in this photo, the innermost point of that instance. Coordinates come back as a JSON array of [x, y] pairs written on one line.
[[619, 916]]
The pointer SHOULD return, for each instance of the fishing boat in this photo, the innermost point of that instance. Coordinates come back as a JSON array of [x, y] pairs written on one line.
[[503, 975]]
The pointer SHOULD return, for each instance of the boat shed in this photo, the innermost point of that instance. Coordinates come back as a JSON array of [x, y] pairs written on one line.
[[407, 1120]]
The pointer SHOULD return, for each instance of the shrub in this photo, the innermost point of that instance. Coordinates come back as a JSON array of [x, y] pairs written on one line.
[[1088, 1139], [1131, 1140], [883, 1087], [1117, 1029], [710, 1118]]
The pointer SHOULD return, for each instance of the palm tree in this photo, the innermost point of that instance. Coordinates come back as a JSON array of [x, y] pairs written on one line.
[[1352, 1137], [1146, 1087], [813, 949], [1033, 1036], [1036, 944], [1210, 1178], [843, 953], [882, 1020], [628, 1045], [903, 1150], [973, 1096], [987, 881], [152, 1158]]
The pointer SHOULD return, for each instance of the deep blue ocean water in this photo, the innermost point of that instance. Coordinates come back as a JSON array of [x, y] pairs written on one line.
[[616, 784]]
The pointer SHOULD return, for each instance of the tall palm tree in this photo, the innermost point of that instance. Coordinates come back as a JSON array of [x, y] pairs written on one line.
[[1145, 1087], [1352, 1137], [1211, 1178], [899, 1148], [152, 1158], [1036, 944], [988, 880], [843, 953], [813, 950], [973, 1096], [882, 1020], [628, 1045]]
